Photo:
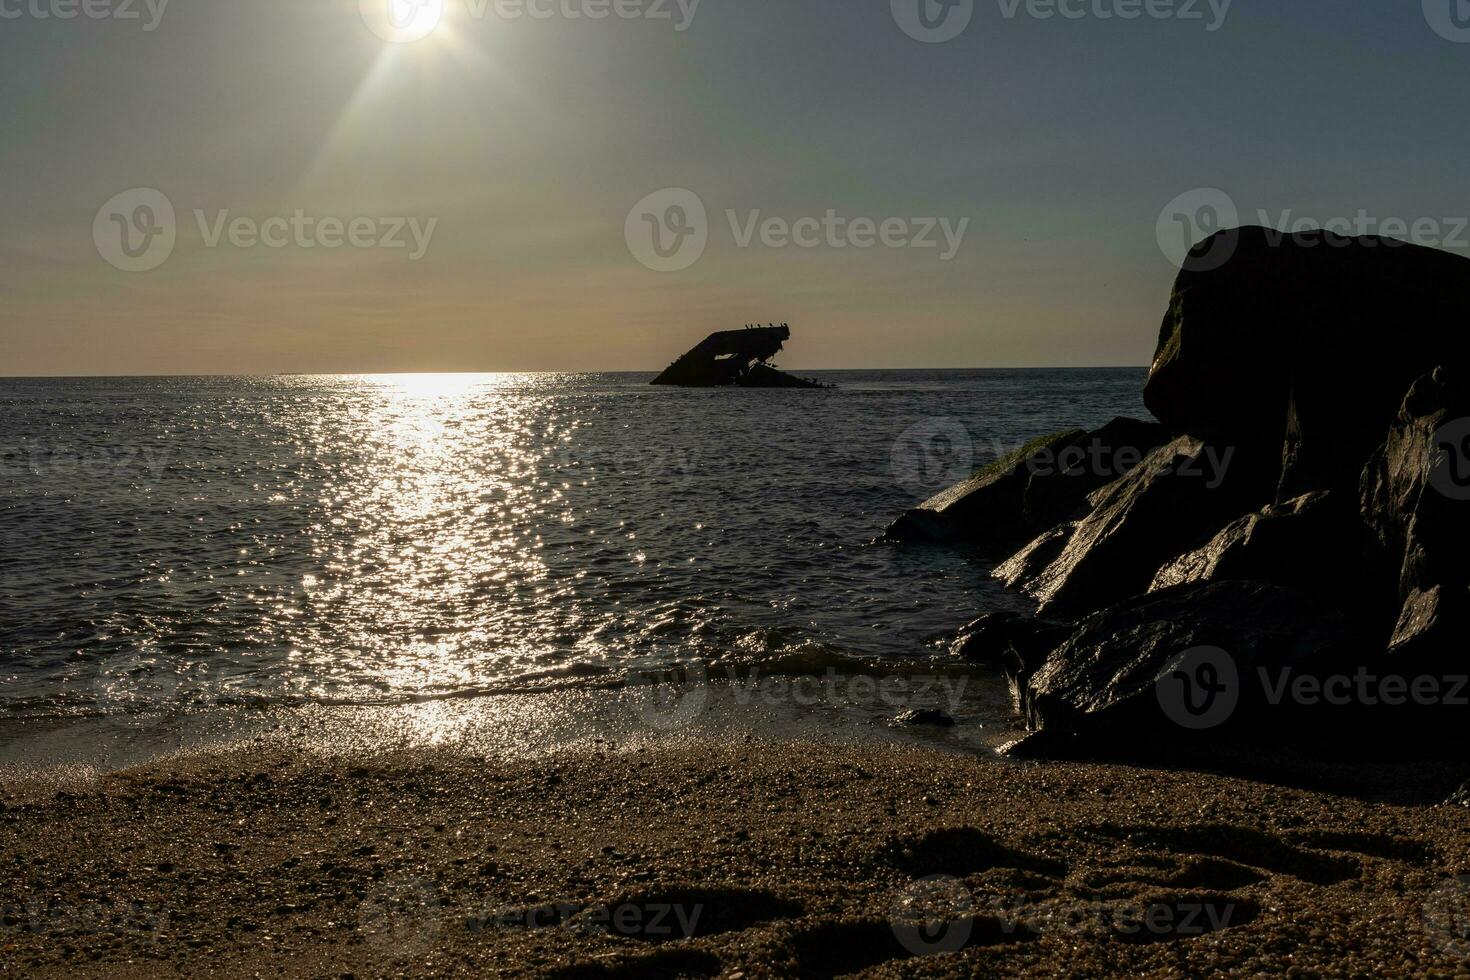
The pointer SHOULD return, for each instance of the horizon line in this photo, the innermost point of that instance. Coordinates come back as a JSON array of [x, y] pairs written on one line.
[[405, 374]]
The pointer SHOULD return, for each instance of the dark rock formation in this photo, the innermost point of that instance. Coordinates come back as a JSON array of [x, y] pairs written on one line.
[[1175, 501], [1011, 642], [1057, 494], [734, 357], [1330, 329], [988, 508], [1416, 503], [1105, 677], [1045, 481], [1311, 543], [1023, 569], [1312, 511]]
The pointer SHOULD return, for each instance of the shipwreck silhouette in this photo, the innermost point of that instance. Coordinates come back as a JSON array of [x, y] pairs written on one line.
[[735, 358]]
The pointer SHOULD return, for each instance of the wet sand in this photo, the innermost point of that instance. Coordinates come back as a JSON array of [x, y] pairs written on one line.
[[728, 857]]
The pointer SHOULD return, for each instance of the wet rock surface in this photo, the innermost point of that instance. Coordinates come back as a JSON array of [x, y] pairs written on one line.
[[1175, 500], [1310, 543], [1111, 676], [1046, 481]]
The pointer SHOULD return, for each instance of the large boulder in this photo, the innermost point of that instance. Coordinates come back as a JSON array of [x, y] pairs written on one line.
[[1311, 543], [1173, 502], [1106, 678], [1030, 489], [989, 507], [1057, 491], [1416, 505], [1307, 340]]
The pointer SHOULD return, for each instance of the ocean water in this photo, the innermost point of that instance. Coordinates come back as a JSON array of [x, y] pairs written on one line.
[[173, 545]]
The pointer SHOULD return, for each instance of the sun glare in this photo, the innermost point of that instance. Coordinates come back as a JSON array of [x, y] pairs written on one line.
[[403, 21]]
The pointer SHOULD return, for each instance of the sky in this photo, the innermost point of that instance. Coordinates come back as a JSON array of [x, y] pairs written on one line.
[[300, 186]]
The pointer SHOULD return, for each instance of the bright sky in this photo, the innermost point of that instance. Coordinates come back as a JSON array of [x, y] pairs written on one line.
[[344, 202]]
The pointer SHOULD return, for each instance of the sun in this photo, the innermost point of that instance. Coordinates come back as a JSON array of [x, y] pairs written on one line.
[[402, 21]]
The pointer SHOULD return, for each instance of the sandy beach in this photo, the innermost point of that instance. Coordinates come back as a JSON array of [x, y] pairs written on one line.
[[736, 857]]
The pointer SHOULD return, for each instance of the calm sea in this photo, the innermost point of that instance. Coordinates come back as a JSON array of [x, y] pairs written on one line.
[[168, 545]]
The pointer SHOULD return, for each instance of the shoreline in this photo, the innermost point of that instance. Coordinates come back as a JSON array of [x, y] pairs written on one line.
[[852, 708], [780, 857]]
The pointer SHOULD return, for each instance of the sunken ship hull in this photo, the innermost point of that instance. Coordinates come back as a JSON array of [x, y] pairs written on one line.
[[735, 358]]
